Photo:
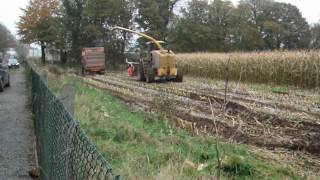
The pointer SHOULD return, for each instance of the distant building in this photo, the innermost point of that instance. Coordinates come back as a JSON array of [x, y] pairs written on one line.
[[34, 52], [52, 55]]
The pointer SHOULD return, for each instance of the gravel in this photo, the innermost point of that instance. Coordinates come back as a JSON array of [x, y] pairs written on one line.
[[17, 155]]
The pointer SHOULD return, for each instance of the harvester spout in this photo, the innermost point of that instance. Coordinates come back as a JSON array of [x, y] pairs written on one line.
[[140, 34]]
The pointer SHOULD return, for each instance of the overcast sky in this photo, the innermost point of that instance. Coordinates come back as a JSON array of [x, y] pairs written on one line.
[[10, 11]]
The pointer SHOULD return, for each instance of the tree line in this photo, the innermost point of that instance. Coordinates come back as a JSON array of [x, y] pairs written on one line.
[[252, 25], [198, 25], [6, 39]]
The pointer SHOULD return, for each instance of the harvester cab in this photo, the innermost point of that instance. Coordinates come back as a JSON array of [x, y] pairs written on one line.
[[157, 63], [153, 47]]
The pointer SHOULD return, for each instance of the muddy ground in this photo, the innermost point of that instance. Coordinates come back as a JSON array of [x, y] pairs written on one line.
[[238, 120], [16, 131], [287, 130]]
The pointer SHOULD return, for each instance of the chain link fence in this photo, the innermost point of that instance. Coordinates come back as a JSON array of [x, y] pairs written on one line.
[[64, 151]]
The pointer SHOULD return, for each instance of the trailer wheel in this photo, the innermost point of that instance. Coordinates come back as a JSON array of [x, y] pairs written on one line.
[[179, 78], [140, 73], [83, 71]]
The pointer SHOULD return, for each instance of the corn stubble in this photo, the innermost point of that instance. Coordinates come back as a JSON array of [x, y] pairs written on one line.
[[297, 68]]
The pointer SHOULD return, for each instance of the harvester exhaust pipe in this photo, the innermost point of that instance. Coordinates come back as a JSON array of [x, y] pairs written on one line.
[[140, 34]]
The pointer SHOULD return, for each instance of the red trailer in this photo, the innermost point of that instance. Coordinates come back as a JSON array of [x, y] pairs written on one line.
[[93, 60]]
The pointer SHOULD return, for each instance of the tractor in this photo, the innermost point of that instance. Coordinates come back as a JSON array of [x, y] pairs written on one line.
[[154, 64]]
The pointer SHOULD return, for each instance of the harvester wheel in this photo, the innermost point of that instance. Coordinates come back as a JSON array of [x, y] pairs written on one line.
[[140, 73], [150, 76], [179, 78]]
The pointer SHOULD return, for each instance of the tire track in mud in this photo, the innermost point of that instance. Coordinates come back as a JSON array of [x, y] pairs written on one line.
[[239, 123], [195, 92]]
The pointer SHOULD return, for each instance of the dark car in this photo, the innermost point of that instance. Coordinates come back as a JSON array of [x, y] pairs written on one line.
[[4, 77]]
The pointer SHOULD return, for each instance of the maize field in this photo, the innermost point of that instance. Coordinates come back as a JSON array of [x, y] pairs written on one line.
[[296, 68]]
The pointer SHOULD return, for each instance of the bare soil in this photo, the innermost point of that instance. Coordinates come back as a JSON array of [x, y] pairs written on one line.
[[16, 131]]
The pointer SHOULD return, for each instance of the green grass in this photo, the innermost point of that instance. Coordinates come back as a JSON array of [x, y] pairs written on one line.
[[141, 145]]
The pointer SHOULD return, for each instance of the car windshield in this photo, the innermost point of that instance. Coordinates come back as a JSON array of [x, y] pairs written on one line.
[[13, 61]]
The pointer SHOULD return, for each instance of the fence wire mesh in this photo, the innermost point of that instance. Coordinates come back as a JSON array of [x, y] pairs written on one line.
[[64, 151]]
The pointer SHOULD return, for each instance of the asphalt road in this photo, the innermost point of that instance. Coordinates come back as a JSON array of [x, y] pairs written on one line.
[[16, 130]]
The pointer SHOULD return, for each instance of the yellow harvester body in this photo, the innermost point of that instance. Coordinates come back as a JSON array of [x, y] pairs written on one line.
[[165, 63]]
